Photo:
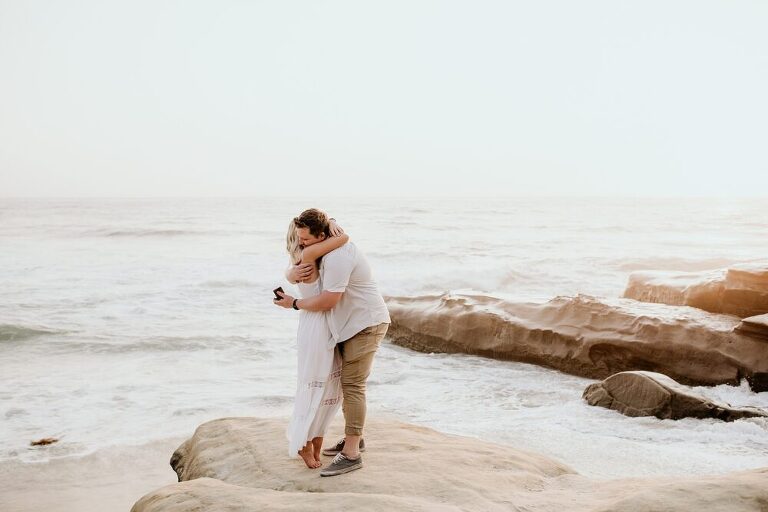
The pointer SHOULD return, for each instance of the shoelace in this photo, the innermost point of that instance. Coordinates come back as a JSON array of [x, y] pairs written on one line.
[[339, 456]]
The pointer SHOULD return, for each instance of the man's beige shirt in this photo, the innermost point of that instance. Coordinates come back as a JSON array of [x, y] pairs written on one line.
[[346, 270]]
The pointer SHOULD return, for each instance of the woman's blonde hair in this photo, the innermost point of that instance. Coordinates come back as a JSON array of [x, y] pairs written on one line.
[[292, 243]]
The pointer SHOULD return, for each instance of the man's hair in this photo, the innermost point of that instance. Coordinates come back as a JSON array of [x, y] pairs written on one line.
[[315, 220]]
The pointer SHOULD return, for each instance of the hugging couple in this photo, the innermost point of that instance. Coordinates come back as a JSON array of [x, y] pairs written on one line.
[[342, 320]]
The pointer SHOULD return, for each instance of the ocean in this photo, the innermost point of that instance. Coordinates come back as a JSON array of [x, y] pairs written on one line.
[[126, 321]]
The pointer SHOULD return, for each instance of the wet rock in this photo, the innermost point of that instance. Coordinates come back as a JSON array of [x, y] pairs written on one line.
[[584, 336], [44, 442], [640, 393]]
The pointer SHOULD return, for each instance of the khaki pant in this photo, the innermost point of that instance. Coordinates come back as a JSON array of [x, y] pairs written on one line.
[[357, 359]]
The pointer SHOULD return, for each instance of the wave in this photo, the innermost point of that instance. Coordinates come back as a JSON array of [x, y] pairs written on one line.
[[570, 230], [520, 281], [398, 253], [10, 332], [190, 411], [678, 264], [160, 344], [271, 400], [151, 233], [229, 283], [173, 233]]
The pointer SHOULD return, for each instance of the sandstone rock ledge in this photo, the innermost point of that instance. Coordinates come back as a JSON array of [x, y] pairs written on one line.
[[584, 336], [754, 326], [240, 464], [741, 290], [654, 394]]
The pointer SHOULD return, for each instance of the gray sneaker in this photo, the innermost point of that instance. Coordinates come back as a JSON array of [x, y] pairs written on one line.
[[333, 450], [341, 464]]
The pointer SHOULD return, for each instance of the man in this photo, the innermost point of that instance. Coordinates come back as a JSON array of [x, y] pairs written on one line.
[[358, 320]]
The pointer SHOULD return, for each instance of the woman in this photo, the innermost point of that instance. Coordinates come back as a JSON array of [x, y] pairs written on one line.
[[318, 389]]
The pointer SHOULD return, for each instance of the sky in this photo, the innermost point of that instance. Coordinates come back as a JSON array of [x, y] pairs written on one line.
[[399, 98]]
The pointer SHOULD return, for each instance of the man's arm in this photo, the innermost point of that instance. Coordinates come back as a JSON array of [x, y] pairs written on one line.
[[326, 301]]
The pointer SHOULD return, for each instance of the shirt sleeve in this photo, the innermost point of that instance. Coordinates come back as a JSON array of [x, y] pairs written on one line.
[[337, 269]]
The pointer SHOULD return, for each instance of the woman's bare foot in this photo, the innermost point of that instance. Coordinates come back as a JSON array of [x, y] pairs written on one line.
[[308, 455], [317, 447]]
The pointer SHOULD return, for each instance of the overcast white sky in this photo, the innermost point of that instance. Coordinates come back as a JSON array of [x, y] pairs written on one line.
[[220, 98]]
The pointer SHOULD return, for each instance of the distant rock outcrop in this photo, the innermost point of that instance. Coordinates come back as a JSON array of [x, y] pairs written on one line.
[[240, 465], [654, 394], [584, 336], [741, 290]]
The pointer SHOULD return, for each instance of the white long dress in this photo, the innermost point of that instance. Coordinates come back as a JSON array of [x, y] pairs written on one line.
[[318, 387]]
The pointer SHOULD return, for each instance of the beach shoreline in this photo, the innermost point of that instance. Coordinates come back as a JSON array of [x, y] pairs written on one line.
[[109, 479]]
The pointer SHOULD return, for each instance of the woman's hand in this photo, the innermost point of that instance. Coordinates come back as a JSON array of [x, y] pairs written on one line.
[[300, 272], [335, 228]]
